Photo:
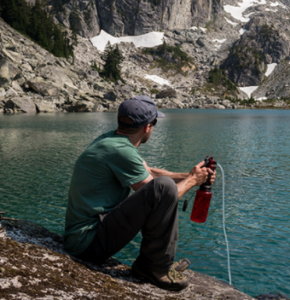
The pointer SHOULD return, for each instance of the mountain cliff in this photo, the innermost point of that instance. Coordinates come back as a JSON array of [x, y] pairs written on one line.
[[132, 17], [217, 55]]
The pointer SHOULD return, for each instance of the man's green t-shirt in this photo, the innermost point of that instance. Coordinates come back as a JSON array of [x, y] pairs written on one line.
[[101, 179]]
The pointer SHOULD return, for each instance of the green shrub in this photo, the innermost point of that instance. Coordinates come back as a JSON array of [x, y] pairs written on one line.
[[217, 78], [154, 91], [181, 59]]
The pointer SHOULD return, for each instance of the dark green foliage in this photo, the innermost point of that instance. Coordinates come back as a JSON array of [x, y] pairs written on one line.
[[154, 91], [35, 23], [178, 58], [244, 57], [113, 59], [154, 2], [217, 78], [58, 4], [244, 102], [268, 31], [95, 67]]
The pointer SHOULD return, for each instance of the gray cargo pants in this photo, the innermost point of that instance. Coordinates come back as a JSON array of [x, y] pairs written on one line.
[[153, 210]]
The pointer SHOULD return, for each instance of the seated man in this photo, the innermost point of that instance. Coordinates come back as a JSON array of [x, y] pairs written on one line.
[[102, 218]]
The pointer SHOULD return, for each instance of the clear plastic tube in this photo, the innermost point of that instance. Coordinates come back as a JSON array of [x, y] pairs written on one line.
[[224, 226]]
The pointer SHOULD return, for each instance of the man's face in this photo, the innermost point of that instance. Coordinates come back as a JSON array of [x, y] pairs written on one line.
[[148, 134]]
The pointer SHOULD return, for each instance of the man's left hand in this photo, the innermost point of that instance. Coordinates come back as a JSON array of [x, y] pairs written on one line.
[[212, 173]]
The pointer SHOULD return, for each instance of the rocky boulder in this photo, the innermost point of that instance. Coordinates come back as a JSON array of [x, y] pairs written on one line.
[[57, 75], [111, 96], [23, 104], [170, 93], [43, 87], [48, 104], [81, 106], [8, 72]]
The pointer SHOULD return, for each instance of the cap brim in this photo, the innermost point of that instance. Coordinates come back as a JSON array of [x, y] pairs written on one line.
[[160, 114]]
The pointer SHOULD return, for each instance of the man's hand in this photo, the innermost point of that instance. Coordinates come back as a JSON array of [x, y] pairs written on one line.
[[213, 173], [200, 174]]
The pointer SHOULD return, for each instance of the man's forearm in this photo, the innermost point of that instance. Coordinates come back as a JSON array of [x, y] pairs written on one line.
[[185, 185], [177, 177]]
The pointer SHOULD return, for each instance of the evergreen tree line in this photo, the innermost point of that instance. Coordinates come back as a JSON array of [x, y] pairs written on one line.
[[36, 23]]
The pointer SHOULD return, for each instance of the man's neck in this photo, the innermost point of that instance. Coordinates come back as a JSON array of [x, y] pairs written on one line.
[[134, 139]]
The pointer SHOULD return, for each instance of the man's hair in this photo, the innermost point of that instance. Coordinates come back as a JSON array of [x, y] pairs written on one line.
[[126, 130]]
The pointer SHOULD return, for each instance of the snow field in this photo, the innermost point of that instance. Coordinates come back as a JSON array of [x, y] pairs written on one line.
[[248, 90], [237, 11], [230, 22], [150, 39], [270, 69]]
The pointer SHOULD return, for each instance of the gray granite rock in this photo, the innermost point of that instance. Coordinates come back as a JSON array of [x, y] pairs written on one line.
[[43, 87], [23, 104], [34, 264]]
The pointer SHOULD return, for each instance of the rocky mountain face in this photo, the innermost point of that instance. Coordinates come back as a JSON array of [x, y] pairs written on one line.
[[33, 80], [81, 16], [241, 50], [132, 17], [261, 44]]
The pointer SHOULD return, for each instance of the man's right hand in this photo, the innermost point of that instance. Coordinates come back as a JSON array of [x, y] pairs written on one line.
[[200, 174]]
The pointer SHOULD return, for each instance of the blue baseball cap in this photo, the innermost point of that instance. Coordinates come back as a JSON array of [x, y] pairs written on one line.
[[141, 109]]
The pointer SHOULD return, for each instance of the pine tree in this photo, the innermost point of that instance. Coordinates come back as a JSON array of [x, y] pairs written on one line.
[[38, 25], [113, 59], [58, 47], [10, 13]]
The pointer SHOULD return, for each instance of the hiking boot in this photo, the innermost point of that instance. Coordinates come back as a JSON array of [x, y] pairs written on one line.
[[169, 280], [181, 265]]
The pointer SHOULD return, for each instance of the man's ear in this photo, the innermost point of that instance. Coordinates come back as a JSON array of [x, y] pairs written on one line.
[[146, 128]]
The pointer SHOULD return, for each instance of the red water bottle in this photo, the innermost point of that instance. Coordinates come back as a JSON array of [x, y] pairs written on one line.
[[203, 196]]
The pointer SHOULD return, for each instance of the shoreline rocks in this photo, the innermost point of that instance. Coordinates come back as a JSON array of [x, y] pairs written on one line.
[[33, 264]]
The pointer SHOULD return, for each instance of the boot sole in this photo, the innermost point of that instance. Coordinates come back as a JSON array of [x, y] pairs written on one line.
[[137, 271]]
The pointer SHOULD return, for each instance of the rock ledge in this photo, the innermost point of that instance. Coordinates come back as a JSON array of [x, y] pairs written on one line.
[[34, 265]]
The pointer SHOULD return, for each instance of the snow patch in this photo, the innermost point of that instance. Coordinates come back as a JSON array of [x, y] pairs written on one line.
[[157, 79], [277, 4], [217, 47], [270, 69], [242, 31], [262, 98], [230, 22], [219, 41], [237, 11], [247, 16], [273, 10], [150, 39], [248, 90], [201, 28]]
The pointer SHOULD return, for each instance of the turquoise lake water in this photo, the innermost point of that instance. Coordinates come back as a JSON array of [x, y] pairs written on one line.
[[37, 155]]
